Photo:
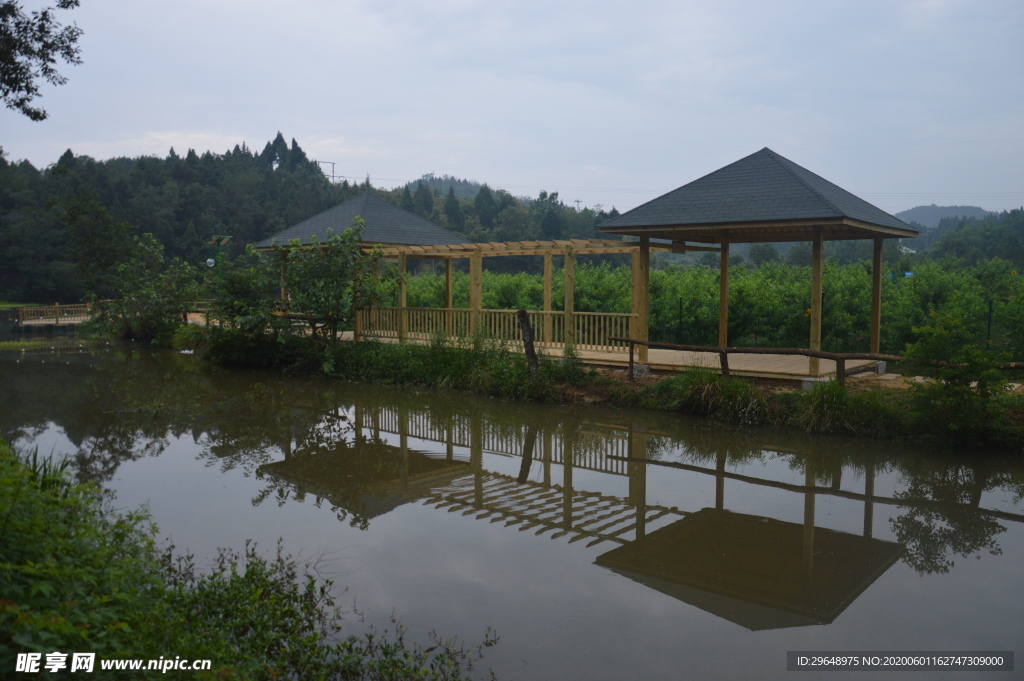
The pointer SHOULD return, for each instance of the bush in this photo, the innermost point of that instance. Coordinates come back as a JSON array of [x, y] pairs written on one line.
[[76, 579], [703, 391]]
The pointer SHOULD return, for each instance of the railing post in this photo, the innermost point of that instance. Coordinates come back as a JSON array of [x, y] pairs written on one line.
[[570, 297], [723, 357], [841, 371]]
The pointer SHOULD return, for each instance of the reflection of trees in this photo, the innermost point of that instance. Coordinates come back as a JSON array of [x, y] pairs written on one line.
[[932, 534], [123, 406]]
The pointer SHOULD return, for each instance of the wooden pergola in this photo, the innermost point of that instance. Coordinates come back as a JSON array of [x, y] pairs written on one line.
[[766, 198], [571, 327]]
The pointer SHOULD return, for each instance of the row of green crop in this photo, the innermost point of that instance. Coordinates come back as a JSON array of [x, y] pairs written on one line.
[[769, 306], [74, 578]]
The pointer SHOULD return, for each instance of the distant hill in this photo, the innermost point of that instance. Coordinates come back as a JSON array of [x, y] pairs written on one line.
[[930, 216], [464, 189]]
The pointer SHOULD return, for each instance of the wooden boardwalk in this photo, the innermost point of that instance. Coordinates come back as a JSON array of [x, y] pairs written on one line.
[[783, 367]]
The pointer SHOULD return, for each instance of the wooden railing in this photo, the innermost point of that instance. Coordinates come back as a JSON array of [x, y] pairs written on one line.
[[593, 330], [57, 312]]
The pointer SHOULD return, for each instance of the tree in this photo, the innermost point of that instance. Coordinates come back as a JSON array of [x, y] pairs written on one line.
[[456, 218], [486, 207], [763, 253], [800, 254], [30, 45], [407, 202], [332, 279], [424, 200], [98, 243]]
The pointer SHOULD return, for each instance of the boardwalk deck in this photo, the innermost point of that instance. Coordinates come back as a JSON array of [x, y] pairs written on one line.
[[784, 367]]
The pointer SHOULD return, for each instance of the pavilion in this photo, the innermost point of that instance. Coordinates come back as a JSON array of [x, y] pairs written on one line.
[[761, 198], [766, 198], [386, 224]]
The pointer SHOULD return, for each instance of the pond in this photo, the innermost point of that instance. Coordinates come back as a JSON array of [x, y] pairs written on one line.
[[599, 543]]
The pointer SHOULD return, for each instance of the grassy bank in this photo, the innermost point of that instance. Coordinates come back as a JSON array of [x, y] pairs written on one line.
[[945, 414], [75, 578]]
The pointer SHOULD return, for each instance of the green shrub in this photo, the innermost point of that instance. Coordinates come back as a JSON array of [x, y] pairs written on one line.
[[825, 408], [75, 578], [703, 391]]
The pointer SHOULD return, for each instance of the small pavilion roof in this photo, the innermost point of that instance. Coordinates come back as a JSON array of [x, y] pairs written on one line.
[[386, 223], [763, 197]]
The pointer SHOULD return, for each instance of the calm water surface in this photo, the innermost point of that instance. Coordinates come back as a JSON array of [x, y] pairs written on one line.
[[599, 543]]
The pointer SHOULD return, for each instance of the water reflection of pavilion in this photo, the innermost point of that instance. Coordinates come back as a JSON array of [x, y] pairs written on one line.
[[756, 571]]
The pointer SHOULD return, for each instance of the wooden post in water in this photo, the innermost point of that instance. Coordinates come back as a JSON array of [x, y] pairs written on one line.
[[808, 544], [637, 471], [814, 363], [476, 458], [567, 449], [720, 460], [403, 444], [876, 297], [869, 491]]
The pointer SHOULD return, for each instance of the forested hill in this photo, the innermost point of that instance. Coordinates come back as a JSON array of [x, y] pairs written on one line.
[[185, 199], [930, 216], [464, 189]]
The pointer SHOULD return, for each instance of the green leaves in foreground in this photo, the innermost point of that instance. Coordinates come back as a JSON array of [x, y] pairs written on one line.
[[75, 579]]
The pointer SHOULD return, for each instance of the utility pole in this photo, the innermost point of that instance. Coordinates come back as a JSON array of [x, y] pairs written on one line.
[[332, 168], [577, 202]]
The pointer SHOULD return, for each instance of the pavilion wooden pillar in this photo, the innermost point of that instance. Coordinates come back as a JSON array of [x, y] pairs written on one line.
[[403, 313], [723, 297], [375, 310], [547, 337], [357, 312], [640, 268], [476, 289], [876, 298], [284, 276], [448, 297], [814, 363], [570, 296]]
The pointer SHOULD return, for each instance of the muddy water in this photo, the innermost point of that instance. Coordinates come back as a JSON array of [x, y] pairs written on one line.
[[599, 543]]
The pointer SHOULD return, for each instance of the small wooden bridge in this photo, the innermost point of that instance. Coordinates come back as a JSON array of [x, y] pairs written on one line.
[[41, 316]]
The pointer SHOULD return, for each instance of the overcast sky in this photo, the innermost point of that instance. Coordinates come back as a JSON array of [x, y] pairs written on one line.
[[612, 103]]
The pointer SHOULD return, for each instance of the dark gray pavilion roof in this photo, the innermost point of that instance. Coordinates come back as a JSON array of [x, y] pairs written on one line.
[[763, 197], [386, 223]]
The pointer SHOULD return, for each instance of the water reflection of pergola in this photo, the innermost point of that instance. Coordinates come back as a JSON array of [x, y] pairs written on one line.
[[761, 198], [757, 571]]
